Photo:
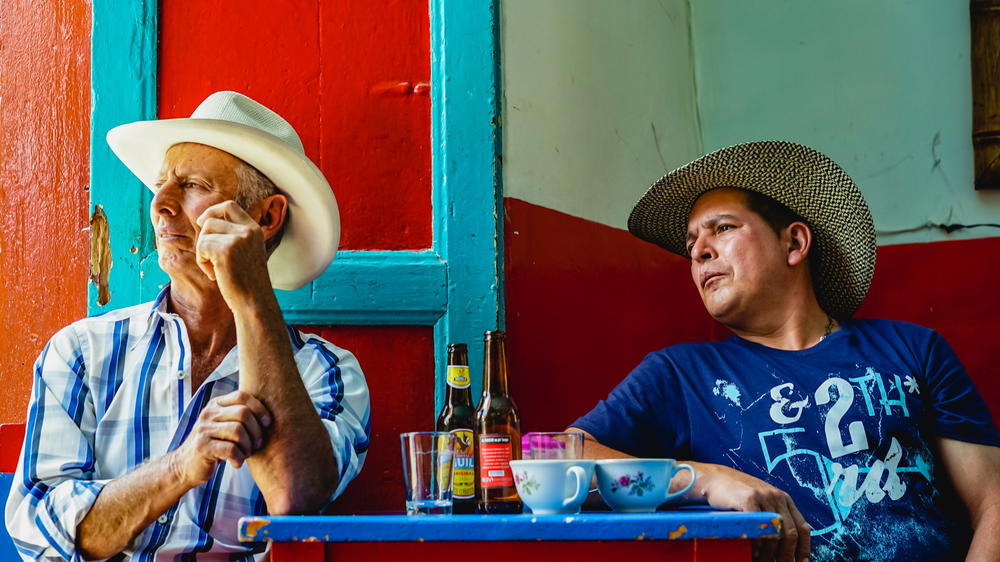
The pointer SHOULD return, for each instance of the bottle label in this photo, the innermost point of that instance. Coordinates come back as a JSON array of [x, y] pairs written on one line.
[[494, 460], [463, 485], [458, 376]]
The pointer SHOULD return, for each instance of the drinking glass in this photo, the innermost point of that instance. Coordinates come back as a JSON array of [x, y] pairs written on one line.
[[539, 445], [427, 470]]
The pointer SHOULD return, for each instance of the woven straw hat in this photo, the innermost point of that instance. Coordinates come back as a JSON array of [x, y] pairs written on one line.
[[260, 137], [802, 179]]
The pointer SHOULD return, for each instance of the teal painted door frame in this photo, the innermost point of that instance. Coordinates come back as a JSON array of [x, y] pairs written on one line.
[[454, 286]]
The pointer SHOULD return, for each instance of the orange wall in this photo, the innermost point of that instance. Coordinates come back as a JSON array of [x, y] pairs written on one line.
[[44, 183]]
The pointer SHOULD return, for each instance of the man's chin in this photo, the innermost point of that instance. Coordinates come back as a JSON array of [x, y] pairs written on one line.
[[174, 262], [721, 310]]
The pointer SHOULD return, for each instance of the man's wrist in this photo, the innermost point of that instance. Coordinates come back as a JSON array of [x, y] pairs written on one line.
[[256, 305]]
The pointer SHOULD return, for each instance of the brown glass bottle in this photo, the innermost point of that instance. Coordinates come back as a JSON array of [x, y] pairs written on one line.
[[457, 417], [498, 433]]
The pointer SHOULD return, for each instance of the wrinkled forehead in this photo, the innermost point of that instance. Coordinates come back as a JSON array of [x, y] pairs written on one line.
[[193, 158]]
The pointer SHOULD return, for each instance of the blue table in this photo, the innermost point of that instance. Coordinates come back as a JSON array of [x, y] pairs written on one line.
[[682, 534]]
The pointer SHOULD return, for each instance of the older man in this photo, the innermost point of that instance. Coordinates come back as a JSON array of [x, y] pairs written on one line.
[[152, 429], [867, 436]]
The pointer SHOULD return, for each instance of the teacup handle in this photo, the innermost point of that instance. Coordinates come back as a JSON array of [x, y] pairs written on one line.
[[694, 475], [582, 488]]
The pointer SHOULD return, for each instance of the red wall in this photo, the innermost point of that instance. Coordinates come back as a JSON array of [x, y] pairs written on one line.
[[585, 302], [351, 77], [346, 74], [396, 362], [44, 168]]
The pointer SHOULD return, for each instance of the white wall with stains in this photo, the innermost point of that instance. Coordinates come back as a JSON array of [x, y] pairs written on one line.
[[882, 87], [599, 102]]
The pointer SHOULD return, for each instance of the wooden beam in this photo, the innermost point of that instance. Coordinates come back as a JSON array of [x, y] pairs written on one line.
[[985, 15]]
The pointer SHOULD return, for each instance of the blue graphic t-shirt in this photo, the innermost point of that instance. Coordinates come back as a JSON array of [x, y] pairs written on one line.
[[845, 427]]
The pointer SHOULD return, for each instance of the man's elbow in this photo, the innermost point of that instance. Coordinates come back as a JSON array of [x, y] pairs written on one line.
[[91, 547], [301, 502]]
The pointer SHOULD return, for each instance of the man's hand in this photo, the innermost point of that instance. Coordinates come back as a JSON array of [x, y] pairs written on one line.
[[726, 488], [230, 250], [230, 428]]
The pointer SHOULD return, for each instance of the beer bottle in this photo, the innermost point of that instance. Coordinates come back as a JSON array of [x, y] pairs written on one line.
[[457, 417], [498, 434]]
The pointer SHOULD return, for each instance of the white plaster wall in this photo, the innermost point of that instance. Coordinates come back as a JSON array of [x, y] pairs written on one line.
[[598, 103], [883, 88]]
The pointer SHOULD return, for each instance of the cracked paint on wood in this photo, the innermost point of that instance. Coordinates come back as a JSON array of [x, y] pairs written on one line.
[[44, 149]]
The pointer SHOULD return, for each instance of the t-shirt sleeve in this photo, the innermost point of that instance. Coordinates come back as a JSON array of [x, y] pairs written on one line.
[[955, 407], [645, 414]]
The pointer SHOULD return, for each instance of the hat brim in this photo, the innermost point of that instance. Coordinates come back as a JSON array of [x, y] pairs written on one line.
[[312, 235], [804, 180]]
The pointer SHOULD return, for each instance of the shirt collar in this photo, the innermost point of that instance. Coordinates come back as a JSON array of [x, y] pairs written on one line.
[[160, 304]]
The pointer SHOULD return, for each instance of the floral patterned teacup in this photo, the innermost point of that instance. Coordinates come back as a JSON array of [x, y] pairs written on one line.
[[551, 486], [638, 485]]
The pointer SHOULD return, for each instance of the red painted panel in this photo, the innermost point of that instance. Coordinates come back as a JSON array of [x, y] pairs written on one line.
[[585, 303], [705, 550], [525, 551], [11, 439], [44, 181], [349, 76], [398, 363]]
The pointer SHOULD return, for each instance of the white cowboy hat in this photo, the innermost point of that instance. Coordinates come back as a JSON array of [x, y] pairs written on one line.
[[260, 137], [800, 178]]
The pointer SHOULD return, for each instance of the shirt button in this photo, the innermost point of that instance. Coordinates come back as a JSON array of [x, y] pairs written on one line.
[[180, 374], [162, 520]]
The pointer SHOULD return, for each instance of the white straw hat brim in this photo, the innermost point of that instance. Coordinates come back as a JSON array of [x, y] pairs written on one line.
[[800, 178], [312, 235]]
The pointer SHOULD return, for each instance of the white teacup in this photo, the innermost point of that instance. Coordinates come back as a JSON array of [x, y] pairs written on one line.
[[551, 486], [638, 485]]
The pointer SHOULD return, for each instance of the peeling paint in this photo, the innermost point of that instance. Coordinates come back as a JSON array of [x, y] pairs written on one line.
[[254, 526], [100, 254], [678, 533]]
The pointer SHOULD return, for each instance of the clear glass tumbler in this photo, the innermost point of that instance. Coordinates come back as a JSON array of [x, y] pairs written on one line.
[[427, 471]]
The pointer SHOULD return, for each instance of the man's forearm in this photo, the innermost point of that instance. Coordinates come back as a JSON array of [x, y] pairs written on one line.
[[127, 505], [293, 470], [986, 538]]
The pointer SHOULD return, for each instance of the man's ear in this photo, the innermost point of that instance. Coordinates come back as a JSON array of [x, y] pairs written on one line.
[[273, 211], [798, 237]]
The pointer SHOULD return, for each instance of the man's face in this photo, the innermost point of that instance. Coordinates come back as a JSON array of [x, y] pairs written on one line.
[[738, 262], [193, 178]]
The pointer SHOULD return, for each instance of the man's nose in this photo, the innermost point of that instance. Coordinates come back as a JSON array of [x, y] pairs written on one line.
[[165, 200], [701, 250]]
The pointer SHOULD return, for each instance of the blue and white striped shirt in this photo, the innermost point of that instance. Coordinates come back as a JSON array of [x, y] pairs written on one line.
[[113, 391]]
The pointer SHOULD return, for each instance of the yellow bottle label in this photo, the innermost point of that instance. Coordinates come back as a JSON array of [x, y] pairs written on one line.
[[458, 376], [464, 477]]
